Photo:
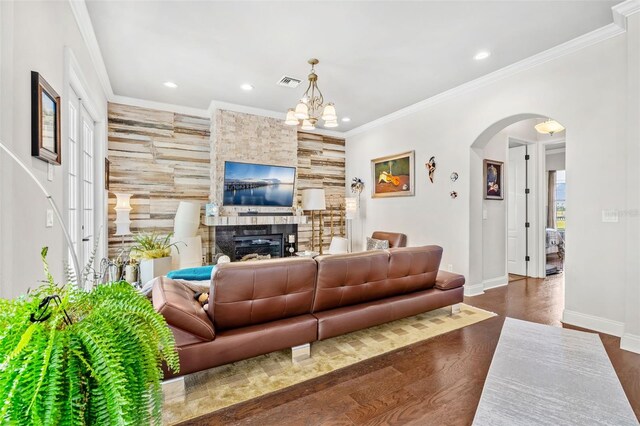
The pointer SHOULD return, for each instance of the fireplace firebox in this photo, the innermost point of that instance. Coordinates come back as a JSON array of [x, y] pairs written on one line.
[[239, 241], [272, 245]]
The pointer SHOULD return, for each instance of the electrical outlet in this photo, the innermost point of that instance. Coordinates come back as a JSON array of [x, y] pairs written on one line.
[[450, 267], [49, 223]]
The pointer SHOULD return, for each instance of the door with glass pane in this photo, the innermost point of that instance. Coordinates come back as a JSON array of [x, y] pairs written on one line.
[[81, 179]]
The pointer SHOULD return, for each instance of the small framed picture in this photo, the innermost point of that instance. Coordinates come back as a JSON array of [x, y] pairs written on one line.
[[493, 180], [45, 121], [393, 175]]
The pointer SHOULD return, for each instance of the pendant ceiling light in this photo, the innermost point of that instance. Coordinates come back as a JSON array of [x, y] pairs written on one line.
[[311, 107], [549, 127]]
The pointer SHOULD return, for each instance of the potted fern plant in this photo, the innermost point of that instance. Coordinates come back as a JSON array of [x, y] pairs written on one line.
[[154, 254], [69, 356]]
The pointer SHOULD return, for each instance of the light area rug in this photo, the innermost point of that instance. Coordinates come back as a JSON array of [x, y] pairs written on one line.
[[544, 375], [223, 386]]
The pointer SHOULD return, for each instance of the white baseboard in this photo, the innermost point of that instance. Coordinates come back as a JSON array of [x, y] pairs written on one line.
[[473, 289], [630, 342], [592, 322], [495, 282]]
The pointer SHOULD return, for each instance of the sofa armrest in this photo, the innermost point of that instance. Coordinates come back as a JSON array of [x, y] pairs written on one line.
[[448, 280], [176, 303]]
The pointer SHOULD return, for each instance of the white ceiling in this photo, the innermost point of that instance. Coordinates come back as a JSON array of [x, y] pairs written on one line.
[[375, 57]]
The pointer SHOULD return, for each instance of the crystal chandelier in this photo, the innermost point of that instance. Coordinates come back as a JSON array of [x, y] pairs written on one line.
[[311, 107]]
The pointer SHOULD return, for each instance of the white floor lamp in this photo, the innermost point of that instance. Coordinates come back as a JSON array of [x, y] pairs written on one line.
[[56, 211]]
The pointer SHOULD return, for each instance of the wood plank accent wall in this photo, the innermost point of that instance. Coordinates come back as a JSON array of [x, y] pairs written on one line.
[[163, 158], [160, 157], [321, 164]]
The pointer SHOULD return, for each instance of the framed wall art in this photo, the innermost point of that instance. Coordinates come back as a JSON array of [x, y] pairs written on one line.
[[45, 121], [394, 175], [493, 180]]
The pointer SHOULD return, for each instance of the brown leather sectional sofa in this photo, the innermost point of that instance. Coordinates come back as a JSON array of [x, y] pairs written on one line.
[[260, 307]]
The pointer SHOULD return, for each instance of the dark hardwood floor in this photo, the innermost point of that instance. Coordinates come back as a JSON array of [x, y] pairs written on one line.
[[435, 382]]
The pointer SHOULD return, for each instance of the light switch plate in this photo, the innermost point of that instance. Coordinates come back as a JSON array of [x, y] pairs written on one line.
[[50, 172], [610, 216], [485, 214], [450, 267], [49, 223]]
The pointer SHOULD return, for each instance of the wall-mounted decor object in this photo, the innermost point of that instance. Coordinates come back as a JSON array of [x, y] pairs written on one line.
[[431, 166], [45, 121], [393, 175], [453, 194], [357, 185], [454, 176], [493, 180], [107, 172]]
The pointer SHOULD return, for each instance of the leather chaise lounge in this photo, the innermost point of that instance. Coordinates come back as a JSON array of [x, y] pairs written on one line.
[[259, 307]]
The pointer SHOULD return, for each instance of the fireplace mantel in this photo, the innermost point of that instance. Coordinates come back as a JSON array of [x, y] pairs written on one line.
[[253, 220]]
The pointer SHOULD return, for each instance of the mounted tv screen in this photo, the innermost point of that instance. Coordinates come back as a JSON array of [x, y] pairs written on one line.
[[258, 185]]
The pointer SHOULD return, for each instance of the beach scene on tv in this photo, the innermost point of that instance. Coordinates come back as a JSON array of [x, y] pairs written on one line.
[[258, 185]]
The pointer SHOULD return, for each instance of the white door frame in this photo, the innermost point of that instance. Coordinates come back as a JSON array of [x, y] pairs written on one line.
[[542, 197], [74, 80], [537, 230]]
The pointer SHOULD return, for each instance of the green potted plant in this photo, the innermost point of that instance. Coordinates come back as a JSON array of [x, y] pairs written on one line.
[[69, 356], [153, 252]]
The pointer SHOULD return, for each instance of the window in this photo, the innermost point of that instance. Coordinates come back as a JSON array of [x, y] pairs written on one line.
[[560, 201]]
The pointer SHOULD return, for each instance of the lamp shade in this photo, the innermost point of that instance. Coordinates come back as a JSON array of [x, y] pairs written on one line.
[[187, 220], [351, 207], [122, 208], [329, 113], [187, 253], [313, 199], [302, 111], [549, 127], [307, 125], [291, 119], [339, 245], [331, 123]]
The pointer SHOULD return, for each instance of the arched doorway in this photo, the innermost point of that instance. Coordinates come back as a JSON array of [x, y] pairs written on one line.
[[508, 232]]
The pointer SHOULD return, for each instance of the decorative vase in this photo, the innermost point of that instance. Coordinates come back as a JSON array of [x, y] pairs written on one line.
[[131, 273]]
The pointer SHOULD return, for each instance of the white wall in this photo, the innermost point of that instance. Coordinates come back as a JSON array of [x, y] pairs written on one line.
[[555, 161], [494, 222], [34, 36], [574, 89]]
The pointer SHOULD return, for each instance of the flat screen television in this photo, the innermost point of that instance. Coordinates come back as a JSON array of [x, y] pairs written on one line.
[[247, 184]]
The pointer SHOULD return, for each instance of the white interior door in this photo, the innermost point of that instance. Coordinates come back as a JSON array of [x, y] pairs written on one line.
[[516, 212]]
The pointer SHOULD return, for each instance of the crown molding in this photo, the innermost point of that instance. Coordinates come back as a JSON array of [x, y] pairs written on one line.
[[571, 46], [214, 105], [622, 11], [80, 12], [161, 106]]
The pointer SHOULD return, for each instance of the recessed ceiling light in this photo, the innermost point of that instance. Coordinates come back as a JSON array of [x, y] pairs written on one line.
[[482, 55], [346, 119], [170, 84], [246, 87]]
